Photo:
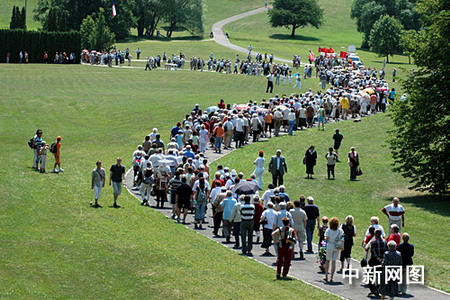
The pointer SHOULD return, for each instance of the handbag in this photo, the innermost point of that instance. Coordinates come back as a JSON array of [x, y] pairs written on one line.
[[304, 160], [364, 261], [339, 243], [359, 172]]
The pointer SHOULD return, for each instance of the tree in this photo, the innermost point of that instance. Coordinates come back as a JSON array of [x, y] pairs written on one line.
[[367, 12], [147, 14], [23, 23], [17, 18], [385, 36], [420, 141], [186, 14], [52, 21], [296, 14], [95, 33]]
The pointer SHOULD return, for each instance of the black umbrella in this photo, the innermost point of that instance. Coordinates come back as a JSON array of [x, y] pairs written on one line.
[[246, 188]]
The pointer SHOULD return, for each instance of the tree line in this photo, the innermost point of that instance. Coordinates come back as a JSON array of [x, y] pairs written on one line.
[[144, 15]]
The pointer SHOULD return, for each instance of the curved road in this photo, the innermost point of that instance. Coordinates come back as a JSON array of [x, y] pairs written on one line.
[[221, 39]]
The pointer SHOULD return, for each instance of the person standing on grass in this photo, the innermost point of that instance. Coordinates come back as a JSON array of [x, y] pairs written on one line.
[[310, 161], [321, 118], [259, 168], [349, 230], [395, 213], [35, 144], [284, 237], [337, 137], [247, 224], [331, 158], [353, 162], [57, 155], [43, 156], [269, 88], [98, 182], [117, 175], [278, 167], [312, 214], [138, 53]]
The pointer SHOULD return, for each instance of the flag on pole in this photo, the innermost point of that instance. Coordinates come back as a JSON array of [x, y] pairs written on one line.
[[113, 11]]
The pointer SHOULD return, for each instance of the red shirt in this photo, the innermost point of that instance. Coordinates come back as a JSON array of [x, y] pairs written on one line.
[[394, 237], [221, 105]]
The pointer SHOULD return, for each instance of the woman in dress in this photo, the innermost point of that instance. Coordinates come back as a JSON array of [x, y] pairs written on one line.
[[259, 168], [204, 139], [332, 235], [349, 233], [391, 258], [310, 161], [353, 162]]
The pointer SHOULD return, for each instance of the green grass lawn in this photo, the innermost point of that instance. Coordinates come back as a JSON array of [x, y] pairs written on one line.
[[363, 198], [53, 245]]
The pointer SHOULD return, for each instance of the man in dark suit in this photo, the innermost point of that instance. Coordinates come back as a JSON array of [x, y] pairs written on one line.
[[278, 167]]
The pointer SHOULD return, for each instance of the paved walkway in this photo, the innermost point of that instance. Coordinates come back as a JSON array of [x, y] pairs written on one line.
[[221, 39], [305, 270]]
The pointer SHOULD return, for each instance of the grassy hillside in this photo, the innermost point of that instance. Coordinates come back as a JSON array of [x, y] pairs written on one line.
[[53, 245]]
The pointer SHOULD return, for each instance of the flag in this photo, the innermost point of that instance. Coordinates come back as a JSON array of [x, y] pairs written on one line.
[[343, 54], [113, 11]]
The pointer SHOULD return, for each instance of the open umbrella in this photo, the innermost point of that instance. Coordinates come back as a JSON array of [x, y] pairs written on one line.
[[246, 188], [282, 107], [382, 89], [369, 91], [241, 107], [262, 110], [296, 74], [212, 109]]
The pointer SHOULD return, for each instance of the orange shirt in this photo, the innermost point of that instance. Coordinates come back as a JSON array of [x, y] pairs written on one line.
[[268, 118], [219, 131]]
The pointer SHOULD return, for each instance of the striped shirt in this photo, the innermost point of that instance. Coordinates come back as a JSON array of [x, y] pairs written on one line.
[[247, 212]]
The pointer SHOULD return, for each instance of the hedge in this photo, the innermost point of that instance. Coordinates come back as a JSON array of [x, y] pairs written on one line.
[[36, 43]]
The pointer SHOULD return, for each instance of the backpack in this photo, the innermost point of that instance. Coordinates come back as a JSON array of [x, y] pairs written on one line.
[[53, 148], [31, 143], [201, 195]]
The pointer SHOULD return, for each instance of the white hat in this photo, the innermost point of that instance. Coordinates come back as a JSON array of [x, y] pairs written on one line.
[[233, 172]]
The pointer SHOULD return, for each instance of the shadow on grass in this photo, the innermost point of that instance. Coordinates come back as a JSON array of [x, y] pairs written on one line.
[[433, 203], [279, 36]]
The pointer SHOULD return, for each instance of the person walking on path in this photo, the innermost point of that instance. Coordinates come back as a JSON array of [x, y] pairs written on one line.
[[332, 235], [201, 189], [395, 213], [278, 167], [57, 155], [184, 197], [313, 214], [407, 251], [377, 247], [247, 224], [257, 217], [353, 162], [218, 133], [227, 204], [349, 230], [117, 175], [299, 224], [267, 219], [98, 182], [392, 257], [259, 168], [310, 160], [337, 137], [285, 238], [331, 158]]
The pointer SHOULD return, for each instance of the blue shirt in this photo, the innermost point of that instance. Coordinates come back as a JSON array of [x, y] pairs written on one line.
[[174, 131], [227, 204], [189, 154]]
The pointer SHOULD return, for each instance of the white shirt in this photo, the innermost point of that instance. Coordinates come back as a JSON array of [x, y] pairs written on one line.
[[269, 215], [266, 196], [259, 162], [197, 184], [240, 123], [214, 192]]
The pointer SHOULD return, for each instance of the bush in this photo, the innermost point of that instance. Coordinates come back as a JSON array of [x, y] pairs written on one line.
[[38, 42]]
